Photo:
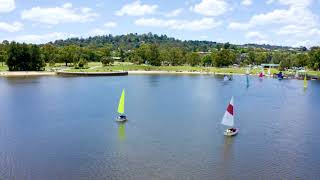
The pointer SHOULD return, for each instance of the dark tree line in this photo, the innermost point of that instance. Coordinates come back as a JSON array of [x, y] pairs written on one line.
[[24, 57]]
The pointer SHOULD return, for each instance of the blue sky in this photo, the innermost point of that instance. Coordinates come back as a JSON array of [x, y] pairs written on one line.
[[278, 22]]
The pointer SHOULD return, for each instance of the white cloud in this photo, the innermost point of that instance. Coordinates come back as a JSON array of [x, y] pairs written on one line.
[[39, 39], [255, 35], [246, 2], [7, 6], [110, 24], [211, 7], [296, 22], [98, 32], [195, 25], [136, 9], [297, 13], [270, 1], [14, 27], [174, 13], [65, 13]]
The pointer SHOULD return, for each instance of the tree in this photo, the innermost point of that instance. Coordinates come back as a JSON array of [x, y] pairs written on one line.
[[106, 61], [285, 63], [82, 63], [37, 64], [3, 54], [193, 58], [224, 58], [49, 52], [207, 60], [153, 55], [23, 57], [300, 60], [314, 58]]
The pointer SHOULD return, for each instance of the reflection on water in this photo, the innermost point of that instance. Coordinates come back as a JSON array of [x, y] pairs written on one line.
[[121, 131], [227, 149]]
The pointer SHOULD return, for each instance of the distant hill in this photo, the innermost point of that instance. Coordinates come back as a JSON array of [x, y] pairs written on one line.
[[131, 41]]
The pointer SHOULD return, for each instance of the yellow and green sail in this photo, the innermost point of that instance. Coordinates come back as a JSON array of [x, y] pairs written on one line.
[[305, 83], [121, 103]]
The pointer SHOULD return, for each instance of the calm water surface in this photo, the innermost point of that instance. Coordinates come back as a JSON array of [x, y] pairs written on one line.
[[63, 128]]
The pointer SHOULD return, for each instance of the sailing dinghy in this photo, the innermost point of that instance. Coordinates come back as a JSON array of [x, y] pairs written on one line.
[[122, 117], [228, 120]]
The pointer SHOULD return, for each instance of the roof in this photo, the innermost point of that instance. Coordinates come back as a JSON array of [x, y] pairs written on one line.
[[274, 65]]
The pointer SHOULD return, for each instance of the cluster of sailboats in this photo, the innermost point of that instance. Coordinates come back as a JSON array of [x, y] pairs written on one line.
[[228, 118]]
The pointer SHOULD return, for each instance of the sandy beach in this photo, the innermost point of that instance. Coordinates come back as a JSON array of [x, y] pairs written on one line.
[[26, 73]]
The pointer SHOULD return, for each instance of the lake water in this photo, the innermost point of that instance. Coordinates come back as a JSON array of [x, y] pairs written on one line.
[[64, 128]]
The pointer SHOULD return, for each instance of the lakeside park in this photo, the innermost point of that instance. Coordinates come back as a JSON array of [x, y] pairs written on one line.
[[151, 90]]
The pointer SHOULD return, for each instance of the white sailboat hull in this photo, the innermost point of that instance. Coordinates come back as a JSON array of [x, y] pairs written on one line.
[[121, 119], [228, 132]]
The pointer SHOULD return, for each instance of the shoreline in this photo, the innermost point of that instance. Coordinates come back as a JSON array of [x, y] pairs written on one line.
[[46, 73], [182, 72], [26, 73], [119, 73]]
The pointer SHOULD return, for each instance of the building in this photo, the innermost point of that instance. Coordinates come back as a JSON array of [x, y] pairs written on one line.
[[270, 65]]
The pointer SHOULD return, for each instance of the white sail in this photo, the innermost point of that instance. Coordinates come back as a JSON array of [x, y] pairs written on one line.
[[228, 118], [269, 71]]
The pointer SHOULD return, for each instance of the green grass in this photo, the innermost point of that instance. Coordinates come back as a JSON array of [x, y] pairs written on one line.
[[132, 67], [3, 68]]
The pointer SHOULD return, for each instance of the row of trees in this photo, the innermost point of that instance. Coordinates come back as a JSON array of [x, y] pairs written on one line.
[[23, 57], [223, 57]]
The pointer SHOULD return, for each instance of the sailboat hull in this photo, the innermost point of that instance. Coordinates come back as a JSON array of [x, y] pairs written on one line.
[[229, 132], [122, 119]]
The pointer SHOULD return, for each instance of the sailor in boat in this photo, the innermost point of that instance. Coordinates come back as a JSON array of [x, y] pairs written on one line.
[[280, 75], [227, 78], [261, 75], [122, 118]]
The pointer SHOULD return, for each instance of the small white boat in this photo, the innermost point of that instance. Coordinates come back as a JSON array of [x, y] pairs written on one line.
[[228, 120], [231, 131], [122, 117]]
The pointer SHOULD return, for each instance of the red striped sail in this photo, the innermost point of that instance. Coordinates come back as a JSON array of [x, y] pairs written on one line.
[[228, 118]]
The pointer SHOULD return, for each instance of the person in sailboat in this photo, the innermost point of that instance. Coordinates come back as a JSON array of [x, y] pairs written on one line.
[[227, 78], [280, 75]]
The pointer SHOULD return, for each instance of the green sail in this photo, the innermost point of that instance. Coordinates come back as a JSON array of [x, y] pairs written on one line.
[[121, 103], [305, 83]]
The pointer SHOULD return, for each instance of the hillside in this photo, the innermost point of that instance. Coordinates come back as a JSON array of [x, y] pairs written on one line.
[[131, 41]]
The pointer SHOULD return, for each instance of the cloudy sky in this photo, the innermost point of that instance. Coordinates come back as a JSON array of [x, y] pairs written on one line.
[[278, 22]]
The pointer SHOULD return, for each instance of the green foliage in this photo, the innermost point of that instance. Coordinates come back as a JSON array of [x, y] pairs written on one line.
[[207, 60], [193, 59], [224, 58], [3, 54], [314, 58], [23, 57], [52, 63], [82, 63], [106, 61]]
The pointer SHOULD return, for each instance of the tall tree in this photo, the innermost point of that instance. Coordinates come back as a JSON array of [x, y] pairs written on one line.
[[193, 58]]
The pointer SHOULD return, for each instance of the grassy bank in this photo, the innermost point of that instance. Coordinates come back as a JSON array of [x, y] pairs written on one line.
[[97, 67], [3, 68], [132, 67]]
